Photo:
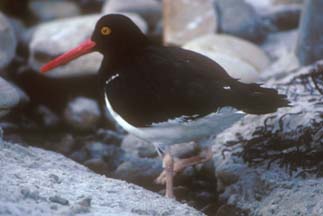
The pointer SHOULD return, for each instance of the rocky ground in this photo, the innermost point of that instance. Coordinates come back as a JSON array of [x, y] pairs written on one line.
[[39, 182], [262, 165]]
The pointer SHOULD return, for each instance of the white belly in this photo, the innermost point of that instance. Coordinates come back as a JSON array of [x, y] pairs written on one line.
[[168, 133]]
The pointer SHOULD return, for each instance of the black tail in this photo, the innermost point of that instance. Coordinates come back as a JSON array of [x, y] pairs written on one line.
[[254, 99]]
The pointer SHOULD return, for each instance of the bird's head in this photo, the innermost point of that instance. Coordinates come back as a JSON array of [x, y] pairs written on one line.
[[114, 35]]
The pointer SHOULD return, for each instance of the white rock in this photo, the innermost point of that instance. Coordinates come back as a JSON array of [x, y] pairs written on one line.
[[242, 59], [39, 182], [185, 20], [82, 113], [150, 10]]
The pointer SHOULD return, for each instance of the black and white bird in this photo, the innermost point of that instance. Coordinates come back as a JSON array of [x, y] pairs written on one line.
[[167, 95]]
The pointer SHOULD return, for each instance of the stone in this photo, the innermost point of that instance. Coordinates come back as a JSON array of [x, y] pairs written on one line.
[[29, 169], [141, 171], [54, 38], [90, 6], [260, 6], [185, 20], [286, 2], [270, 164], [65, 145], [310, 40], [48, 117], [279, 44], [103, 156], [8, 41], [283, 18], [59, 200], [98, 165], [226, 51], [150, 10], [185, 150], [9, 97], [45, 10], [82, 114], [138, 147], [246, 22], [18, 27]]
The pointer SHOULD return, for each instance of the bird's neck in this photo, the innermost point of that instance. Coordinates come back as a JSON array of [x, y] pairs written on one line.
[[125, 53]]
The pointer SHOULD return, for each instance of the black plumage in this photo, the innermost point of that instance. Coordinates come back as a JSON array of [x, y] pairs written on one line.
[[146, 83]]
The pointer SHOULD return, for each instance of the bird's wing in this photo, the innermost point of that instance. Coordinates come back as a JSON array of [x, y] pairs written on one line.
[[168, 83]]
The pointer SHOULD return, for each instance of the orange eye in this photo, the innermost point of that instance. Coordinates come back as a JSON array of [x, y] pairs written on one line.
[[105, 30]]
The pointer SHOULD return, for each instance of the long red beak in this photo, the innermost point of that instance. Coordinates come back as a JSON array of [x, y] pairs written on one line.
[[82, 49]]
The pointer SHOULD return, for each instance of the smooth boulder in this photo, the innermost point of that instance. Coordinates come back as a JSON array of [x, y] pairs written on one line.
[[185, 20], [82, 114], [238, 18], [242, 59]]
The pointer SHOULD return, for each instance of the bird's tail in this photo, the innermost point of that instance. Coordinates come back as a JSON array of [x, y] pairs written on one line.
[[254, 99]]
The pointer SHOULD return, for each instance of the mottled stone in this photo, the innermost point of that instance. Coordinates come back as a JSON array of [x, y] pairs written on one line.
[[28, 169], [82, 113]]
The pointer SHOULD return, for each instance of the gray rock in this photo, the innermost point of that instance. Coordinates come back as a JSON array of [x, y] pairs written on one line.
[[279, 44], [48, 117], [49, 9], [282, 18], [97, 149], [18, 27], [141, 148], [8, 41], [269, 164], [310, 41], [98, 166], [185, 20], [287, 2], [28, 169], [138, 147], [9, 97], [54, 38], [150, 10], [59, 200], [82, 113], [142, 171], [185, 150], [238, 18]]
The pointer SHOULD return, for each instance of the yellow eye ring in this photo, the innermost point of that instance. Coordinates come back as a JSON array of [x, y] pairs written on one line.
[[105, 30]]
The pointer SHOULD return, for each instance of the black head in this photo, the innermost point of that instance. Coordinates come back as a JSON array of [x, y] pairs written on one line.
[[115, 33], [115, 36]]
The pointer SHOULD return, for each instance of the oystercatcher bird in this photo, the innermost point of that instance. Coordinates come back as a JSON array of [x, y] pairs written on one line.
[[166, 95]]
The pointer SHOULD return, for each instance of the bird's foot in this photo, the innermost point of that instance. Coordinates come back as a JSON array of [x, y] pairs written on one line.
[[181, 164], [168, 164]]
